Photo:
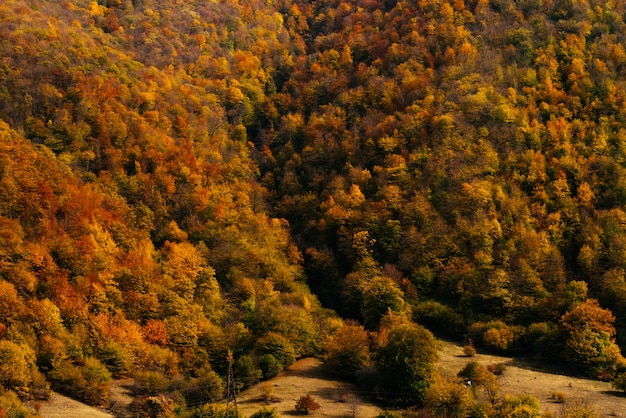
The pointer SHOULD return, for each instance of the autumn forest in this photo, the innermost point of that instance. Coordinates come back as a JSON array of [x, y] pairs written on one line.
[[198, 189]]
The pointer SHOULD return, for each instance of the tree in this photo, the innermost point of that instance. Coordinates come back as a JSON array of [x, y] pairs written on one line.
[[406, 361], [447, 399], [16, 363], [348, 350], [380, 294], [278, 346], [590, 342], [269, 366]]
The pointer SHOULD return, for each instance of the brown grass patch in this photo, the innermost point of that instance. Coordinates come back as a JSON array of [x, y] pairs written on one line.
[[308, 376], [519, 377]]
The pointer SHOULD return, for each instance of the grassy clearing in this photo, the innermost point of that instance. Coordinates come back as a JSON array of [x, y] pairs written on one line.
[[520, 377], [59, 406], [308, 376]]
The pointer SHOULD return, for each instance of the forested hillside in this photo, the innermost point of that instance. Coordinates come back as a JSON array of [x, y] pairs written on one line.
[[176, 175]]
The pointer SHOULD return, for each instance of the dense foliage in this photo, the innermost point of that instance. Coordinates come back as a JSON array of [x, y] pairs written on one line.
[[173, 174]]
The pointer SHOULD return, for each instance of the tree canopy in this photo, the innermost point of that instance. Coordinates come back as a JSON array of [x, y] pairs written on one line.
[[183, 179]]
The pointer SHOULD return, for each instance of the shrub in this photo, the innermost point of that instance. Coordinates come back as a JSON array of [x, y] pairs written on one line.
[[268, 391], [520, 406], [147, 382], [498, 339], [469, 351], [497, 369], [389, 414], [495, 335], [619, 382], [153, 406], [540, 338], [306, 404], [559, 397], [580, 409], [472, 371], [212, 410], [265, 413]]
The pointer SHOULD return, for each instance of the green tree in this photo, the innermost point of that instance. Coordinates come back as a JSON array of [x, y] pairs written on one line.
[[278, 346], [406, 362], [380, 294]]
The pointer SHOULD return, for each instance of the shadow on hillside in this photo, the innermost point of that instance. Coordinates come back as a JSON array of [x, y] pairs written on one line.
[[616, 393], [543, 367]]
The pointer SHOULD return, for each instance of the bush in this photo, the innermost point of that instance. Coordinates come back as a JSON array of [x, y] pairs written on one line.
[[495, 335], [619, 382], [306, 404], [472, 371], [269, 366], [520, 406], [497, 369], [153, 406], [469, 351], [212, 410], [268, 392], [580, 409], [265, 413], [541, 338], [148, 382], [559, 397]]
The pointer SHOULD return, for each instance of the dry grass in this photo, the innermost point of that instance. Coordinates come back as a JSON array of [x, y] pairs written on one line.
[[520, 378], [308, 376], [59, 406]]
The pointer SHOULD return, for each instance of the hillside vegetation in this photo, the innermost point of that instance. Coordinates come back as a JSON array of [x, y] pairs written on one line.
[[188, 182]]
